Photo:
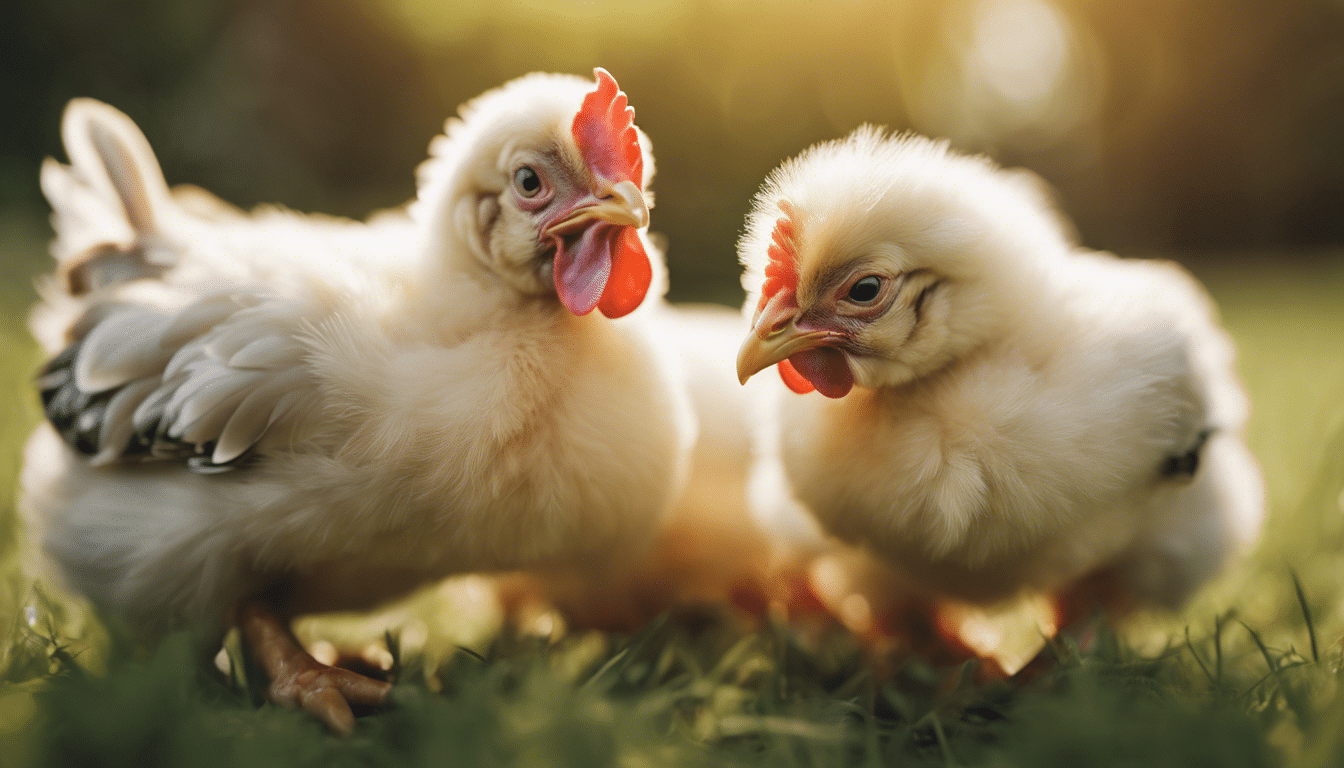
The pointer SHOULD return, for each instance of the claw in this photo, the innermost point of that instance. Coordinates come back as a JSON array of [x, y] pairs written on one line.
[[298, 681]]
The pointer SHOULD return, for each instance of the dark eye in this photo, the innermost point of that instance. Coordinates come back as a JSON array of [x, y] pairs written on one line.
[[527, 181], [865, 290]]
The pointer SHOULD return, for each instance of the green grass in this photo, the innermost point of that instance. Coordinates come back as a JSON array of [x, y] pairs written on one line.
[[1246, 676]]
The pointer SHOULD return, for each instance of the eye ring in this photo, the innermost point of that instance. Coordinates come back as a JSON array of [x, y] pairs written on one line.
[[865, 290], [527, 181]]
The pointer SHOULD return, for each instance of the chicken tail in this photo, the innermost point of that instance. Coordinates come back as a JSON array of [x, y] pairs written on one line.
[[110, 205]]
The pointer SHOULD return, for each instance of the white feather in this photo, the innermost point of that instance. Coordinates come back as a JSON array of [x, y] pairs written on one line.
[[251, 418], [205, 416], [201, 316], [117, 420], [121, 348], [265, 352]]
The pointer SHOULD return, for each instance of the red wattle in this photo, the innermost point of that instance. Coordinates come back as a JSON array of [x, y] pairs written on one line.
[[631, 274], [825, 369], [793, 379]]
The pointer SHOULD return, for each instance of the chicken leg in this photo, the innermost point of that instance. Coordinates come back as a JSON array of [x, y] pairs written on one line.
[[299, 681]]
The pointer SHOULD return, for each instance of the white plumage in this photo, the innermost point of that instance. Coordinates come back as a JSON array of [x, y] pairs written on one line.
[[365, 406], [719, 544], [1006, 412]]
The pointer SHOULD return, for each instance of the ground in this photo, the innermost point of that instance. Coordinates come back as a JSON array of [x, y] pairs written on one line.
[[1246, 676]]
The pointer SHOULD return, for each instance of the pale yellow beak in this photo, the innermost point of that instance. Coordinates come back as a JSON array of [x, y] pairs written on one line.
[[757, 354], [622, 204], [776, 337]]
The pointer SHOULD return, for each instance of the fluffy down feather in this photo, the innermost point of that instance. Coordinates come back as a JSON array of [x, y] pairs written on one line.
[[342, 409], [715, 547], [1006, 413]]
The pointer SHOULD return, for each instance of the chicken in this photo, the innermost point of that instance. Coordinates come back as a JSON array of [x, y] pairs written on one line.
[[998, 413], [253, 417]]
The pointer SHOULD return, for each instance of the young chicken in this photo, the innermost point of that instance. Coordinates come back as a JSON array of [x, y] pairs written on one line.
[[997, 412], [253, 417]]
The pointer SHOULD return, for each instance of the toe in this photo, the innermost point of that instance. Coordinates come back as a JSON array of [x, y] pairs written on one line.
[[327, 693], [359, 689], [327, 704]]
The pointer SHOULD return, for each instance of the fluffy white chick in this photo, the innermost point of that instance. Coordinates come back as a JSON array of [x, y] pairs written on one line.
[[253, 417], [998, 412]]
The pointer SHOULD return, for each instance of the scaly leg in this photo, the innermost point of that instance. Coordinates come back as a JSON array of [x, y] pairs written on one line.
[[298, 681]]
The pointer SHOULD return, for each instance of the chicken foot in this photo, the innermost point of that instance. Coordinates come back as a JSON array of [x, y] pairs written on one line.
[[298, 681]]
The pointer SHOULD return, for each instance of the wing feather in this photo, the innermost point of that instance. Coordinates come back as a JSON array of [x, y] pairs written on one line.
[[224, 391], [203, 422], [122, 348], [201, 316], [264, 353], [147, 415], [203, 384], [262, 407], [208, 384], [117, 426]]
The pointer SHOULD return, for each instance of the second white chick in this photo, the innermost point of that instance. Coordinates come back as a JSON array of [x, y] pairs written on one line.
[[997, 411]]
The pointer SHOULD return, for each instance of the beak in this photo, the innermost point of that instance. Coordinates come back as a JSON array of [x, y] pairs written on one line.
[[622, 204], [776, 337]]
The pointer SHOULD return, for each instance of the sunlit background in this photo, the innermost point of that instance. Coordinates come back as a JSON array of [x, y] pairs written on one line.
[[1189, 126], [1207, 131]]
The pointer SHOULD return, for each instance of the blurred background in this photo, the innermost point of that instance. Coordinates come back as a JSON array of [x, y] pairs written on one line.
[[1190, 126], [1207, 131]]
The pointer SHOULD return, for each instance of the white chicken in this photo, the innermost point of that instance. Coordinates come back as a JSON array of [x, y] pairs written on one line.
[[999, 412], [253, 417]]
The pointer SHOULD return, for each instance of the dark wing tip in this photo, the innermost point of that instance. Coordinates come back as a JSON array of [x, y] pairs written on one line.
[[78, 417], [75, 414]]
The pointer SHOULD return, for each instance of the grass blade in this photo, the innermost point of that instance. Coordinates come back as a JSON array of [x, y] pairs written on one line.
[[949, 760], [1291, 696], [601, 671], [471, 653], [1270, 661], [622, 658], [1198, 660], [1306, 614], [1218, 646]]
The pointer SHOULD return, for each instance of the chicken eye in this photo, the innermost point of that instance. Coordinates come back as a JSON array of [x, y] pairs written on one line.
[[865, 290], [527, 181]]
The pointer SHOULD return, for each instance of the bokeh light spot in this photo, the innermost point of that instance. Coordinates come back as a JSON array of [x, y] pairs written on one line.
[[1020, 51]]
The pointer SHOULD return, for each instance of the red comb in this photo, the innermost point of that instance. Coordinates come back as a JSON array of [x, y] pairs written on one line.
[[604, 129], [781, 273], [781, 276]]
